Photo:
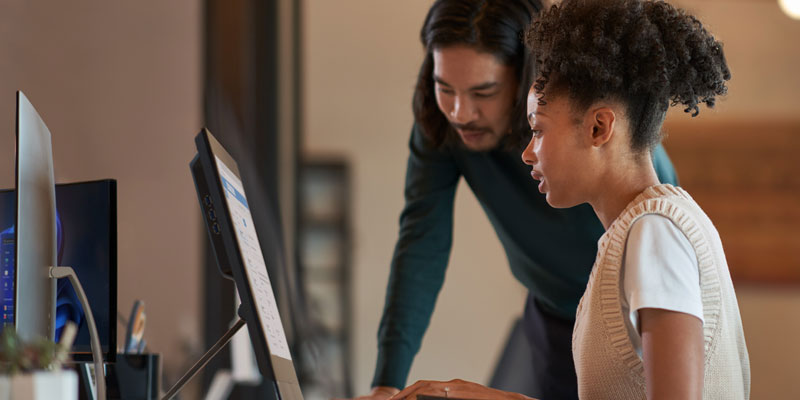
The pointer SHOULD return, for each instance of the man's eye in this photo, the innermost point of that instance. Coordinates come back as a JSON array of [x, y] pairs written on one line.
[[483, 95]]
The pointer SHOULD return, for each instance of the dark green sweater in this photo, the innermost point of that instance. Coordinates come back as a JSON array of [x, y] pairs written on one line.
[[551, 251]]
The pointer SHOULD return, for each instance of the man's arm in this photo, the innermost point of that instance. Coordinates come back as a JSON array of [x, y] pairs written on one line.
[[456, 389], [420, 259], [378, 393]]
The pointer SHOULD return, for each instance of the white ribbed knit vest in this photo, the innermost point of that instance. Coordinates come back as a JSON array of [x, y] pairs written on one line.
[[605, 360]]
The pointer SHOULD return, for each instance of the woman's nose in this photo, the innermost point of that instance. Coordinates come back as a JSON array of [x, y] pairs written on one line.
[[528, 156]]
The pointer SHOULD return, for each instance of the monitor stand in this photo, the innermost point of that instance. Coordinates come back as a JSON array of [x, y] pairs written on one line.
[[206, 357]]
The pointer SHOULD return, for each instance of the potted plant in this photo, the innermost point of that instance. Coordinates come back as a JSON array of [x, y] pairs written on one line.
[[33, 370]]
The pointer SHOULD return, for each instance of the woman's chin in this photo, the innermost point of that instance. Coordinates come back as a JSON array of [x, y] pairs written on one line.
[[551, 201], [557, 202]]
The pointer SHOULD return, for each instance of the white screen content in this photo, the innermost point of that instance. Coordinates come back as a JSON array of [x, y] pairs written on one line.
[[255, 267]]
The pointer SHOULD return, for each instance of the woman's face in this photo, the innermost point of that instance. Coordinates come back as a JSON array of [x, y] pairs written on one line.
[[558, 152]]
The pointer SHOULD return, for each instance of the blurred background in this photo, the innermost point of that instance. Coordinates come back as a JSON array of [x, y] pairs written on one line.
[[313, 98]]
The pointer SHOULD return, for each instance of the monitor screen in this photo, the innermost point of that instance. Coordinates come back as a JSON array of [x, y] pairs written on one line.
[[253, 262], [86, 229], [233, 236]]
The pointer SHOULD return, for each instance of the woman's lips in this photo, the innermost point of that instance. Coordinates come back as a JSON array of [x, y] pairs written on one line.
[[539, 177]]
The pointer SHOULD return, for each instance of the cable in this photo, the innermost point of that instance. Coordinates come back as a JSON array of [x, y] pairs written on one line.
[[99, 377]]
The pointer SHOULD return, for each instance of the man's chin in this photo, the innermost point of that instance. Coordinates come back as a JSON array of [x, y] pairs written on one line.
[[483, 142]]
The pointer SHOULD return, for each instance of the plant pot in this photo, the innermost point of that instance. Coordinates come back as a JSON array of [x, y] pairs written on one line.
[[40, 385]]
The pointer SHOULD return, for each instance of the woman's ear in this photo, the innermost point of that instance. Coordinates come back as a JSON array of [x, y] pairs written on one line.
[[603, 121]]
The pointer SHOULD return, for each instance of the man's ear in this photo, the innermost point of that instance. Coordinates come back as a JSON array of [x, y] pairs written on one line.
[[603, 122]]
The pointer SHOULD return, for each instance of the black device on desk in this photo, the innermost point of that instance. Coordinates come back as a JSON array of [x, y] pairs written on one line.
[[238, 253], [86, 241]]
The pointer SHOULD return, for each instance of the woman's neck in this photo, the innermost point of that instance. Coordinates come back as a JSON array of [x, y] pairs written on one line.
[[619, 187]]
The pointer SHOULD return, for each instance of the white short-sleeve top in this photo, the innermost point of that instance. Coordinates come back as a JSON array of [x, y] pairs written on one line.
[[660, 270]]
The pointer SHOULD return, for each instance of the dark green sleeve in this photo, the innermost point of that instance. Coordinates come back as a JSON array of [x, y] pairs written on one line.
[[666, 173], [419, 261]]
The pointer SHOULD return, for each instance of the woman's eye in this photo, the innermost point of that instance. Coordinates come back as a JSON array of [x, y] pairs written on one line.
[[484, 95], [537, 133]]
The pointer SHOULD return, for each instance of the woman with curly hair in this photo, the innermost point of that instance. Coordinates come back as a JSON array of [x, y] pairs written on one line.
[[659, 318]]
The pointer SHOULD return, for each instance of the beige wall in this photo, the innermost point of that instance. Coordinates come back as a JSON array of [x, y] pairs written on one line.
[[361, 59], [759, 43], [119, 85], [762, 53]]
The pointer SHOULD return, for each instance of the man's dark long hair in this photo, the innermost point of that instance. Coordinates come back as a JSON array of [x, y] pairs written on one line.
[[495, 27]]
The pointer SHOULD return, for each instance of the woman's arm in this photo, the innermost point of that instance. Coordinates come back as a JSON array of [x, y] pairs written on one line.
[[673, 354]]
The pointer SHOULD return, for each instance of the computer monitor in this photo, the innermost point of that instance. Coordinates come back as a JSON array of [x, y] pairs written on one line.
[[35, 236], [86, 236], [238, 253]]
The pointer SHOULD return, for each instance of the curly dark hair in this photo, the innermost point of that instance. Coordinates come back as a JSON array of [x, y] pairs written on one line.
[[646, 54], [496, 27]]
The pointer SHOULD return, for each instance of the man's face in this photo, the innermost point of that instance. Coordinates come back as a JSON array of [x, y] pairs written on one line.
[[475, 92]]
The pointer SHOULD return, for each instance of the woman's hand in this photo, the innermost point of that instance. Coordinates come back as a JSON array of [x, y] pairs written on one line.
[[379, 393], [456, 389]]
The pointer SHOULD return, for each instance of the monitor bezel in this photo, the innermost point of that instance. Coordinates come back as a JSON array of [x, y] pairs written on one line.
[[109, 356]]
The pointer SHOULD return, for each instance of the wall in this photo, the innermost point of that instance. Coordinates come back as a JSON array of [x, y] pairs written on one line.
[[361, 59], [119, 86], [762, 57]]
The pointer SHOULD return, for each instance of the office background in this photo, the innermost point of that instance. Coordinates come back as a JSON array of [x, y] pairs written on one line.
[[123, 85]]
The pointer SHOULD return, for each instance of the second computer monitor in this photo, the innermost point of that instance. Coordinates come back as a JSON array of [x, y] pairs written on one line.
[[86, 241], [233, 236]]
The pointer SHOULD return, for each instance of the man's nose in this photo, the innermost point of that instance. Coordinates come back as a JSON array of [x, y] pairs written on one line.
[[464, 110]]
